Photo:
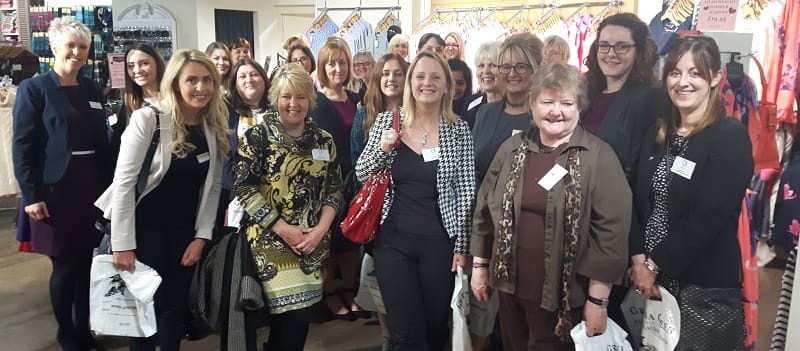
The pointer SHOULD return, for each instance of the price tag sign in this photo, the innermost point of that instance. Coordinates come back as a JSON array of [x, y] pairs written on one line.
[[717, 15], [116, 70]]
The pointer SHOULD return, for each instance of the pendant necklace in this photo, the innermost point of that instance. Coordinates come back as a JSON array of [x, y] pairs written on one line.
[[425, 137]]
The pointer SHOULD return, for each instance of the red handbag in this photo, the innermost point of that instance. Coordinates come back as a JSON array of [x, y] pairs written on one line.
[[364, 214]]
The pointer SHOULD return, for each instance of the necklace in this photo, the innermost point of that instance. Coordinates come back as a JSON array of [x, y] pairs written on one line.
[[425, 137]]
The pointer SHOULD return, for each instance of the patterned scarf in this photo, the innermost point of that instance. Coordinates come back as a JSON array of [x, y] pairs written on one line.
[[504, 251]]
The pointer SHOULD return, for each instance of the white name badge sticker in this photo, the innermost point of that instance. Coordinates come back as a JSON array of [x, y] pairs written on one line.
[[95, 105], [474, 103], [552, 177], [320, 155], [113, 119], [203, 158], [683, 167], [515, 132], [431, 154]]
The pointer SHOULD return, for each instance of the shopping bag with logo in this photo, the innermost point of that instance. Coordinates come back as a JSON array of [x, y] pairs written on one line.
[[460, 305], [661, 328], [121, 302], [633, 310], [612, 340]]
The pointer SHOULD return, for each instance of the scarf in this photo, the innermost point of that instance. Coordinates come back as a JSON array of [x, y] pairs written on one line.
[[503, 265]]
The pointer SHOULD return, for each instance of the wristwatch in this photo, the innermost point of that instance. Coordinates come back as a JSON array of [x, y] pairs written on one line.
[[599, 302], [651, 267]]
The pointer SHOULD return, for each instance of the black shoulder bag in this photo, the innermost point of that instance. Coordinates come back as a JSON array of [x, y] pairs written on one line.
[[104, 225]]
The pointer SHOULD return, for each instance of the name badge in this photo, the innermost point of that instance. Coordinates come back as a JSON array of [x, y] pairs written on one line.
[[683, 167], [552, 177], [112, 120], [431, 154], [203, 158], [474, 103], [515, 132], [95, 105], [320, 155]]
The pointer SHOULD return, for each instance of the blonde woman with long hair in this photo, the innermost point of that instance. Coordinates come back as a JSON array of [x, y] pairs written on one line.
[[425, 223], [169, 224]]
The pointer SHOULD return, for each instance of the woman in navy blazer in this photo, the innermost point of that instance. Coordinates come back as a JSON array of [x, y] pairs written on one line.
[[63, 160], [692, 175]]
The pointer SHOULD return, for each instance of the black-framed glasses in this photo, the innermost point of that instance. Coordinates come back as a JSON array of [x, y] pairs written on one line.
[[362, 64], [619, 48], [451, 46], [301, 59], [520, 68]]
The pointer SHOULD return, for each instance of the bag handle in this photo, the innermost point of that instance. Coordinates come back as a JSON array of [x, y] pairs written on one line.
[[396, 126], [141, 181], [763, 78]]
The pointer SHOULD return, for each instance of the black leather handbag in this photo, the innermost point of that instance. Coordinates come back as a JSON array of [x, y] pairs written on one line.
[[103, 224], [711, 318]]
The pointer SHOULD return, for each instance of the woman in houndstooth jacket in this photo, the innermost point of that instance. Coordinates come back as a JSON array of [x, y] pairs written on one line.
[[426, 213]]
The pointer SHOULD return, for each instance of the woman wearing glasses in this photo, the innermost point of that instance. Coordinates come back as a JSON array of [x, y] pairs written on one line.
[[362, 65], [497, 121], [453, 47], [301, 55], [623, 99], [556, 50]]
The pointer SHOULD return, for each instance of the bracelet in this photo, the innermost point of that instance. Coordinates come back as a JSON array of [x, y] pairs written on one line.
[[603, 303], [480, 265]]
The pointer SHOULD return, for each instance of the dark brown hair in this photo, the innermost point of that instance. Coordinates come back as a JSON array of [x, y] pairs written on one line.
[[646, 54], [134, 95], [427, 36], [707, 61], [235, 99], [305, 51]]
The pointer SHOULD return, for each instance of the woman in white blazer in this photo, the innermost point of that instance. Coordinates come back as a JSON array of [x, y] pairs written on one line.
[[170, 223]]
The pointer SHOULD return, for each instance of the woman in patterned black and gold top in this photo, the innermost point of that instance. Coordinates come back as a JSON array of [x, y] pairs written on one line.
[[291, 191]]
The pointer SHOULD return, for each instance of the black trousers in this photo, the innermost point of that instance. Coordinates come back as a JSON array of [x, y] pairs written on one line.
[[69, 290], [416, 283], [288, 330], [162, 250]]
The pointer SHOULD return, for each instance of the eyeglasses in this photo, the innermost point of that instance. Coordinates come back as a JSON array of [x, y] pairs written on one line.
[[520, 68], [619, 48], [362, 64], [451, 46], [301, 59], [553, 53]]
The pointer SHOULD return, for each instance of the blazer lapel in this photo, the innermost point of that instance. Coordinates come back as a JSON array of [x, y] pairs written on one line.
[[615, 112], [58, 99]]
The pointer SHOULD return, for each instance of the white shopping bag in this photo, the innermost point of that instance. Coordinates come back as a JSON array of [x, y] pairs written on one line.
[[612, 339], [234, 213], [369, 294], [121, 302], [654, 324], [460, 305]]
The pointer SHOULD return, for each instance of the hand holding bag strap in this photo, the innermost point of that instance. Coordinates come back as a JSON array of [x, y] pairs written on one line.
[[141, 181]]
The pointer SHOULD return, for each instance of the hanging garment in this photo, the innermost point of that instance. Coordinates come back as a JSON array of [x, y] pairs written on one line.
[[8, 182], [358, 35], [318, 37], [783, 67], [749, 278], [786, 218]]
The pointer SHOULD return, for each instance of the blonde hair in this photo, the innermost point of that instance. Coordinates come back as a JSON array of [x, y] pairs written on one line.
[[558, 43], [333, 47], [446, 107], [60, 27], [294, 77], [459, 41], [214, 114], [296, 37], [397, 40]]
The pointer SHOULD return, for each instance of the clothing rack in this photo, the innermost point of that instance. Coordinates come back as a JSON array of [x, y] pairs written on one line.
[[322, 17], [521, 9]]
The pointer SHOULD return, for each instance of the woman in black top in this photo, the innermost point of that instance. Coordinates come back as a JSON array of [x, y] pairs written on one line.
[[462, 83], [168, 226], [63, 161], [497, 121]]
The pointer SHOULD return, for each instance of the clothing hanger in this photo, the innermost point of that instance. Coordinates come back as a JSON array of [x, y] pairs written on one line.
[[321, 19], [352, 18], [386, 21]]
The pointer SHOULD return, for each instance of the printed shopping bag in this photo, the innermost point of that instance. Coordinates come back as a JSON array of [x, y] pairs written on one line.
[[460, 305], [612, 340]]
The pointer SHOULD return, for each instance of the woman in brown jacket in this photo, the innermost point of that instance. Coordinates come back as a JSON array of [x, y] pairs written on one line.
[[556, 246]]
